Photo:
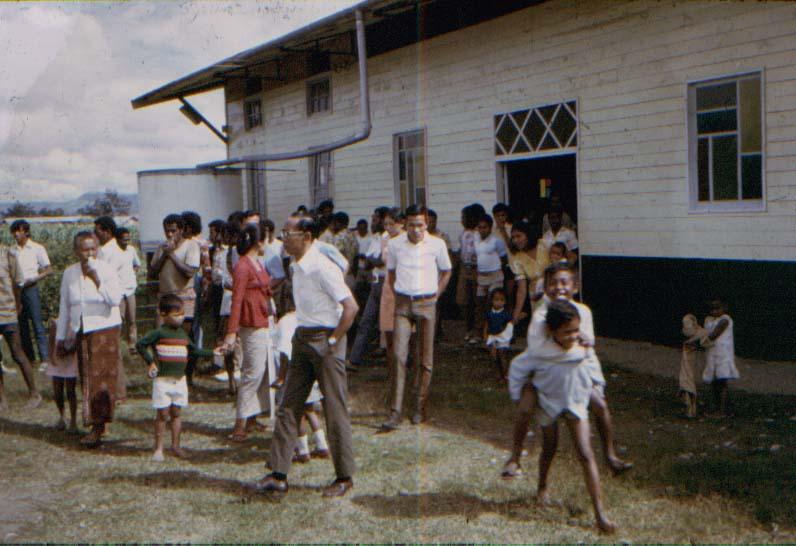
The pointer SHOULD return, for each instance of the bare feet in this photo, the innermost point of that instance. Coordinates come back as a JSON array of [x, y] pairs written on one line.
[[254, 426], [618, 466], [157, 456], [511, 469], [178, 452], [238, 436], [606, 526], [543, 498], [34, 401]]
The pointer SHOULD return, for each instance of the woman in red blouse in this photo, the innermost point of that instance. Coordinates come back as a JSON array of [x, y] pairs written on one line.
[[250, 319]]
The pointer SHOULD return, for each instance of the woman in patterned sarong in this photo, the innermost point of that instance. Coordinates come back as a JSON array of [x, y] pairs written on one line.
[[89, 322]]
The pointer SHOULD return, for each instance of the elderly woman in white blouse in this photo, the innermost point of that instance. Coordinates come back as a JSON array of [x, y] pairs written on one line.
[[89, 322]]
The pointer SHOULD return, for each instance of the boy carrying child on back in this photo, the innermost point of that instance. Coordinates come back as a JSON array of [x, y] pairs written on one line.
[[173, 348]]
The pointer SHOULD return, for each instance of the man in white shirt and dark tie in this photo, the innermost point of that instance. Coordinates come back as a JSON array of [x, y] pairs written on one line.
[[418, 269], [325, 310]]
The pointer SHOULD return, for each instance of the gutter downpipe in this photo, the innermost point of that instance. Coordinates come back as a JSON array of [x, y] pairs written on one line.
[[364, 117]]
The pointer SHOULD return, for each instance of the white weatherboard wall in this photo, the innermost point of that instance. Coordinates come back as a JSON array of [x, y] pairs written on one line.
[[211, 194], [627, 64]]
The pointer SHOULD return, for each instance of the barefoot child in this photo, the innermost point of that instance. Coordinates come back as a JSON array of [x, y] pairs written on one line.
[[498, 331], [695, 336], [564, 387], [559, 284], [173, 348], [283, 344], [63, 370], [720, 361]]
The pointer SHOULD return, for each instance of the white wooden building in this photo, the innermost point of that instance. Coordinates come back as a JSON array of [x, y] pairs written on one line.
[[667, 128]]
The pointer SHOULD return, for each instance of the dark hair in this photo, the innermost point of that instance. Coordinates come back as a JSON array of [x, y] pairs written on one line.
[[559, 313], [302, 208], [470, 216], [250, 212], [23, 225], [217, 224], [560, 246], [486, 219], [341, 218], [173, 219], [362, 222], [248, 237], [85, 234], [556, 208], [231, 229], [552, 269], [268, 224], [192, 221], [235, 218], [169, 303], [381, 211], [531, 231], [121, 231], [106, 223], [416, 210], [496, 291], [307, 224], [326, 204], [478, 209], [393, 212], [501, 207], [431, 213]]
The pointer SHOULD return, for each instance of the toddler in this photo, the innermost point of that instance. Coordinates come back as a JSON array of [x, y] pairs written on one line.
[[695, 336], [498, 331], [63, 370], [720, 361], [173, 348]]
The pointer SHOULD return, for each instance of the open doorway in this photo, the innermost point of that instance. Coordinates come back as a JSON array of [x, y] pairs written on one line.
[[530, 183]]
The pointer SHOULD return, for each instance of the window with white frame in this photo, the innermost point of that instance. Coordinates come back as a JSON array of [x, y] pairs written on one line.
[[409, 166], [726, 144], [257, 190], [252, 110], [321, 177], [319, 96]]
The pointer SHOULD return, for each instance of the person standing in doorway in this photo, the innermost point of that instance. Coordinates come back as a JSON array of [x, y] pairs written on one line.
[[418, 270], [325, 310], [35, 265]]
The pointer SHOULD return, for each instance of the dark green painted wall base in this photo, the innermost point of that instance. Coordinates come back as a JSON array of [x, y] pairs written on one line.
[[646, 298]]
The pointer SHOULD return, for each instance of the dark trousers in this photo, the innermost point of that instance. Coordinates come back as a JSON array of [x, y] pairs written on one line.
[[368, 323], [31, 313], [313, 360]]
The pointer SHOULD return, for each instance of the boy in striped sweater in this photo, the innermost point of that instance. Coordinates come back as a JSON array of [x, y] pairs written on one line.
[[173, 348]]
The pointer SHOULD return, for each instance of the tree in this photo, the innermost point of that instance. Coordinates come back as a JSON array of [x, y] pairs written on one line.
[[109, 204], [44, 211], [20, 209]]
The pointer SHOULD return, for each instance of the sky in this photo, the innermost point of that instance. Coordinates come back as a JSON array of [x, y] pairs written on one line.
[[68, 72]]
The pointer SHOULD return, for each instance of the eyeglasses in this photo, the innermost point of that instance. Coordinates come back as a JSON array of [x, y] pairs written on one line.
[[286, 233]]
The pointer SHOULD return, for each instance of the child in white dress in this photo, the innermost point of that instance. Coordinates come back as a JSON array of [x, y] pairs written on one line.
[[564, 387], [498, 331], [720, 366]]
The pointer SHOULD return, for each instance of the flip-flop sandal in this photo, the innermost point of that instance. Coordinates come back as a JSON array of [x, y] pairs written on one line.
[[238, 437], [511, 470]]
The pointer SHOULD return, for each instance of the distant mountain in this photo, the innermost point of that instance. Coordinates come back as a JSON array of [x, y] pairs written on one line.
[[73, 205]]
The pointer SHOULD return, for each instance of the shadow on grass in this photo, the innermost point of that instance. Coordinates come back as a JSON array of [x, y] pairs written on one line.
[[191, 480]]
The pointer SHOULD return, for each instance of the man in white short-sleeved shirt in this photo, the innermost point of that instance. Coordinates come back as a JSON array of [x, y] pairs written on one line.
[[325, 310], [418, 269], [35, 265], [560, 234]]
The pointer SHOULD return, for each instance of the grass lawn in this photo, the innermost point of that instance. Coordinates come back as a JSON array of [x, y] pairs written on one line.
[[704, 481]]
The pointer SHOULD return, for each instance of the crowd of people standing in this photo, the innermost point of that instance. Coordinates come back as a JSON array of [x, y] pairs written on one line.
[[282, 304]]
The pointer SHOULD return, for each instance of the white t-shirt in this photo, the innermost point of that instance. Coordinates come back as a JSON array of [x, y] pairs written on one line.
[[363, 243], [127, 276], [488, 253], [564, 235], [31, 258], [417, 266]]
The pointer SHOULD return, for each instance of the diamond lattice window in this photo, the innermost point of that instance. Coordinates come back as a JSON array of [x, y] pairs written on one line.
[[541, 129]]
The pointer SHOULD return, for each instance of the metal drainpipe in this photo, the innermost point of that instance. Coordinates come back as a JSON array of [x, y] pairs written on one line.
[[364, 117]]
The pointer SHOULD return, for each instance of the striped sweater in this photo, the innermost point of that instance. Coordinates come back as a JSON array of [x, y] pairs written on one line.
[[173, 347]]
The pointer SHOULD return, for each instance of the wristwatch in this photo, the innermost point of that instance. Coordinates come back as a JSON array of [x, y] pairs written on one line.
[[332, 341]]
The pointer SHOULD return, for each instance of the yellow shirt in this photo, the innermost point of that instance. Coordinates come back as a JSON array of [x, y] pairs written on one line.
[[530, 269]]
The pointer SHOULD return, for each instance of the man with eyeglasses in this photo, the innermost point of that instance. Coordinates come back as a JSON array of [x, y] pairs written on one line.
[[325, 310]]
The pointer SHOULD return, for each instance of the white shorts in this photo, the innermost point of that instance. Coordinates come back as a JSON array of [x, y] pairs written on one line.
[[169, 391]]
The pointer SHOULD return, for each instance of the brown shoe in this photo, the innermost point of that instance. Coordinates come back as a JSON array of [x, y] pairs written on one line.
[[338, 488], [320, 454], [271, 486]]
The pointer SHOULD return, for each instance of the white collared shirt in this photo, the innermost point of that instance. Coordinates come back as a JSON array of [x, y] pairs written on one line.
[[31, 259], [564, 235], [123, 262], [318, 289], [82, 302], [488, 253], [417, 266]]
